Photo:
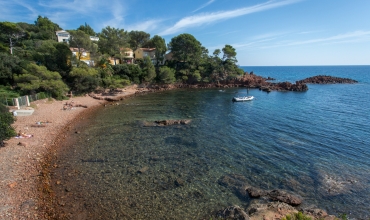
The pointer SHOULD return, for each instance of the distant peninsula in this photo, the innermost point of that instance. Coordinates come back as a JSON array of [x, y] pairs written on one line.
[[251, 80]]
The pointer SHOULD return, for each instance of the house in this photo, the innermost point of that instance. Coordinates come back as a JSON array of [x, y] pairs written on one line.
[[62, 36], [85, 55], [93, 38], [128, 55], [114, 61], [141, 53]]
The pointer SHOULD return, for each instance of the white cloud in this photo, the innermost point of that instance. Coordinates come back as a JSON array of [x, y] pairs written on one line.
[[208, 18], [204, 5], [146, 26], [355, 36]]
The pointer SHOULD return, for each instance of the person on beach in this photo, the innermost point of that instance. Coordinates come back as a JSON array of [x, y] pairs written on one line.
[[23, 135]]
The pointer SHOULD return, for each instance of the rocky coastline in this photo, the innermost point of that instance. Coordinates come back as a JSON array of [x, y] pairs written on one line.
[[27, 177], [250, 81]]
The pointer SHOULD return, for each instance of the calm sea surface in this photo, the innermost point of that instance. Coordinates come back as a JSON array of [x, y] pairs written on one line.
[[314, 143]]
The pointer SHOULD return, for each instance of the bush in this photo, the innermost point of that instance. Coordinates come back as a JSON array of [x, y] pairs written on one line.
[[6, 119], [166, 75], [297, 216]]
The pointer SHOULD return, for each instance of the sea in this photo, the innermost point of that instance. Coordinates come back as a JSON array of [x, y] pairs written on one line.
[[117, 165]]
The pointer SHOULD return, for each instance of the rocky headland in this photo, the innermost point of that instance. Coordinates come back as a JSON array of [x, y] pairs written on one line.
[[250, 80]]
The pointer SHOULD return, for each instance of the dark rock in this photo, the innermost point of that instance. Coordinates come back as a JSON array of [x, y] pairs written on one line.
[[236, 183], [143, 170], [256, 193], [282, 196], [179, 182], [322, 79], [173, 122]]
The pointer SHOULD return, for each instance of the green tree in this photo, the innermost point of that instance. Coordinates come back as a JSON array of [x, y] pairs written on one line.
[[87, 29], [39, 79], [111, 40], [135, 73], [81, 41], [166, 75], [148, 70], [10, 33], [229, 53], [185, 48], [159, 44], [55, 56], [84, 79], [47, 28], [6, 120], [138, 39], [9, 66]]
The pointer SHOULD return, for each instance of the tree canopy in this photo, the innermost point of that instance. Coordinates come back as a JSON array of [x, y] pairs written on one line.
[[138, 39], [87, 29], [185, 48]]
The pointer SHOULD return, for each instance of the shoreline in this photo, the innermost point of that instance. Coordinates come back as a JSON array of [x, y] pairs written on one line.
[[30, 195], [22, 160]]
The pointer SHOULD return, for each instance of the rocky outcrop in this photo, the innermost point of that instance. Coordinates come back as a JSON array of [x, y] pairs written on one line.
[[285, 197], [256, 192], [322, 79]]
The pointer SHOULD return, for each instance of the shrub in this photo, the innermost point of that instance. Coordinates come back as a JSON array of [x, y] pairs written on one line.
[[297, 216], [6, 119]]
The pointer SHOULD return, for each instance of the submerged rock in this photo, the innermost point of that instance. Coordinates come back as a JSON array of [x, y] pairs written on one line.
[[282, 196], [256, 192], [173, 122]]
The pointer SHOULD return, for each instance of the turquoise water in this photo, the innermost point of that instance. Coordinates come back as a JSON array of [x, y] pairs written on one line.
[[314, 143]]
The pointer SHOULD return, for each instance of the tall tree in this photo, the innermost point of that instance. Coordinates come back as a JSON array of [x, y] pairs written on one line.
[[229, 53], [9, 66], [111, 40], [81, 41], [185, 48], [47, 28], [148, 70], [87, 29], [55, 56], [138, 39], [160, 48], [10, 33]]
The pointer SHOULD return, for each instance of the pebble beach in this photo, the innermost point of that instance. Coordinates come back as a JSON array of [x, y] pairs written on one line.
[[21, 159]]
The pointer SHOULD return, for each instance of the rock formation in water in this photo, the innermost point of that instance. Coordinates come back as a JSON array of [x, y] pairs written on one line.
[[265, 204], [321, 79]]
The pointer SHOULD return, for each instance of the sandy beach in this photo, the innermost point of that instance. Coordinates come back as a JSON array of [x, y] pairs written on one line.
[[21, 158]]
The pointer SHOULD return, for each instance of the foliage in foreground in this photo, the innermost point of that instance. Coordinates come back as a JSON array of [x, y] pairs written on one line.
[[297, 216], [6, 119]]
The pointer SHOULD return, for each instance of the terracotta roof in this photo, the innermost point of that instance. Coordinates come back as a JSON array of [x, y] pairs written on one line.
[[148, 49]]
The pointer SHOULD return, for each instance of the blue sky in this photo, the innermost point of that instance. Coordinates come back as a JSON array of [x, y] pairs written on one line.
[[264, 32]]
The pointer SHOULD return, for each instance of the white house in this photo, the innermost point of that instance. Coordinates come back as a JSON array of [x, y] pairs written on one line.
[[63, 36], [93, 38]]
